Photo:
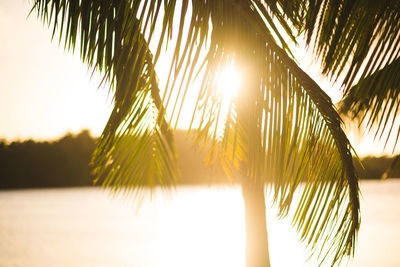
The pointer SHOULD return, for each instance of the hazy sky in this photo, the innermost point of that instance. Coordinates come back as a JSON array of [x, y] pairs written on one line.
[[46, 92]]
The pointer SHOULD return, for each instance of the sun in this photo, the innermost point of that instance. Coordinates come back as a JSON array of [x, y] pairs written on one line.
[[229, 82]]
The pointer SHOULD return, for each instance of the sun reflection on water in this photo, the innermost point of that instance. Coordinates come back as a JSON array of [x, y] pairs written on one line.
[[206, 228], [196, 226]]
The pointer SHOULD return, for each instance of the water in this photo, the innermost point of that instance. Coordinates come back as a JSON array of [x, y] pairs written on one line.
[[196, 226]]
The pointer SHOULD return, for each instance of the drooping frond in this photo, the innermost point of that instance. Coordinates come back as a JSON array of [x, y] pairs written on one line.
[[375, 99], [353, 38], [359, 41], [281, 128], [136, 147]]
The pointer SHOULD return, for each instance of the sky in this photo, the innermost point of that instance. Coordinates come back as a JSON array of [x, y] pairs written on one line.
[[46, 91]]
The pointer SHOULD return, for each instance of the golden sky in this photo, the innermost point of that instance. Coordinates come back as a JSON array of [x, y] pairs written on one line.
[[46, 91]]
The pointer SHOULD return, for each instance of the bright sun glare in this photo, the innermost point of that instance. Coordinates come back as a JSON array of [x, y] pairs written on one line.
[[229, 82]]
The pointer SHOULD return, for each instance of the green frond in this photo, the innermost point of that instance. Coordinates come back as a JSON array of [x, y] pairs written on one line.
[[353, 38], [357, 42], [136, 148], [375, 99]]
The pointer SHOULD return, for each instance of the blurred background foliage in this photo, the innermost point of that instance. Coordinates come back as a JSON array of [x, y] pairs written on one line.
[[65, 163]]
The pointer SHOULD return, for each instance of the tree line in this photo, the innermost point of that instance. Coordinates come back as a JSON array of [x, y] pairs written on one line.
[[66, 162], [60, 163]]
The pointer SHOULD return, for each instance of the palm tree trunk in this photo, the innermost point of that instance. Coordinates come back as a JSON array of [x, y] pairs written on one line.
[[257, 254]]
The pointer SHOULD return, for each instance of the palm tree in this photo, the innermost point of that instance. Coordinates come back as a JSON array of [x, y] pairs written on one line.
[[281, 130]]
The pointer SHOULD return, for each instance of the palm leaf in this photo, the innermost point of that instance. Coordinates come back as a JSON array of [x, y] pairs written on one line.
[[375, 99], [110, 41], [362, 33], [358, 42]]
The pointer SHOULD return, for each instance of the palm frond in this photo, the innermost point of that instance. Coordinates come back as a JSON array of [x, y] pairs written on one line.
[[358, 42], [364, 33], [136, 147], [375, 100]]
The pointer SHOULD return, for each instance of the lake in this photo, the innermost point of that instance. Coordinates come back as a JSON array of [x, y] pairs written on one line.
[[194, 226]]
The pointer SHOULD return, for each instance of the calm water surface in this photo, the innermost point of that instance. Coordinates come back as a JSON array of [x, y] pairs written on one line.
[[195, 226]]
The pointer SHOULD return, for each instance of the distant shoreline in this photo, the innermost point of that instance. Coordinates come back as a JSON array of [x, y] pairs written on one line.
[[65, 162]]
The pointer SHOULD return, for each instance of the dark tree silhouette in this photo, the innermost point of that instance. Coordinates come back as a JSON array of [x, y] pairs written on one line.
[[61, 163]]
